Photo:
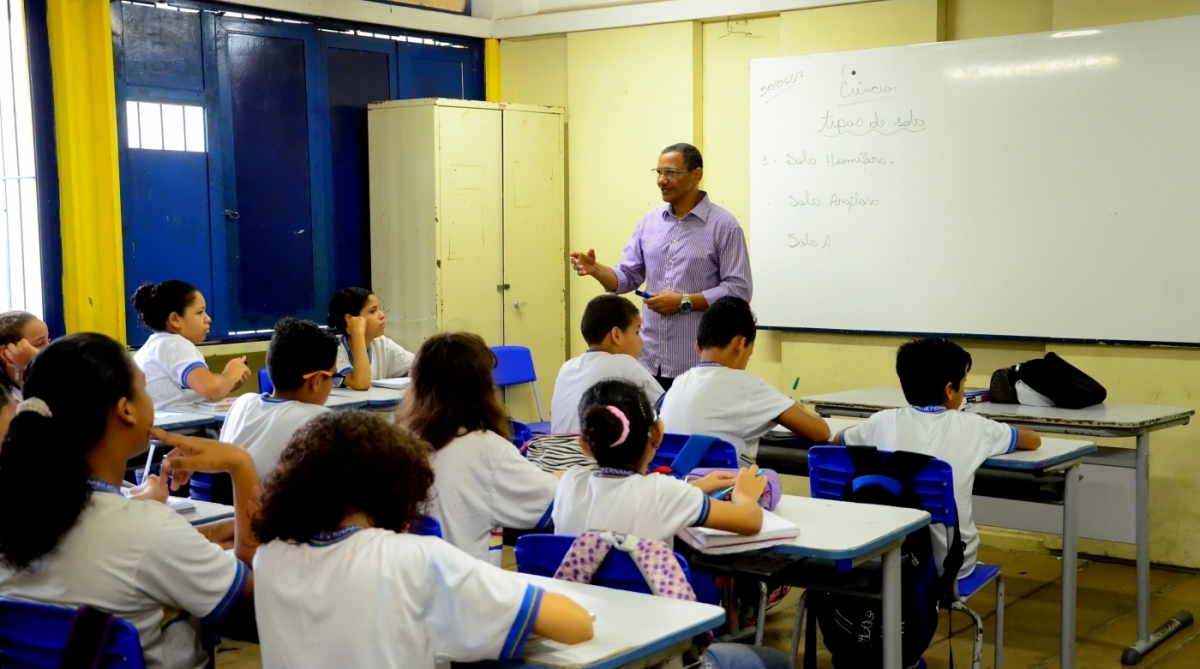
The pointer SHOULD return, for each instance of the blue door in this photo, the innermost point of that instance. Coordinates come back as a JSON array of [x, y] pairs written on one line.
[[274, 192]]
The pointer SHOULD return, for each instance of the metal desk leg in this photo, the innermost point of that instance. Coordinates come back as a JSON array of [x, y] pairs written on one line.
[[1147, 642], [891, 630], [1070, 567]]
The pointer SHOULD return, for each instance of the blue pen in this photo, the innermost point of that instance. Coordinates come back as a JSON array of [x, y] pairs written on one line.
[[729, 490], [642, 294]]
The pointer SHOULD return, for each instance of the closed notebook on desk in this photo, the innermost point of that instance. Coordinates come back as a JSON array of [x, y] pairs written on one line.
[[394, 384], [775, 531]]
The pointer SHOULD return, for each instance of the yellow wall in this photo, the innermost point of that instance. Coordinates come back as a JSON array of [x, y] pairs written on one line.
[[628, 93]]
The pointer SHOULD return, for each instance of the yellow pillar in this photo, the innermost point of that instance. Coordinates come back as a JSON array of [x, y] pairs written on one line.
[[85, 109], [491, 70]]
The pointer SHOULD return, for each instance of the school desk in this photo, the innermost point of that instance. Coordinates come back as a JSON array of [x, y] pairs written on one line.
[[629, 628], [377, 399], [1009, 476], [1110, 419], [207, 512], [178, 421], [334, 402]]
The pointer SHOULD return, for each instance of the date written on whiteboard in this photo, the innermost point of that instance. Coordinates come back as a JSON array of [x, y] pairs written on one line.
[[834, 125], [768, 92], [807, 242]]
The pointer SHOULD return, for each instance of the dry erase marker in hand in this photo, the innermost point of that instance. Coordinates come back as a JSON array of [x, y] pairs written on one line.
[[642, 294], [795, 385]]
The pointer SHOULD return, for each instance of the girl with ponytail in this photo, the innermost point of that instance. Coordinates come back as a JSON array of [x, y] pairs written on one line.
[[621, 430], [83, 541]]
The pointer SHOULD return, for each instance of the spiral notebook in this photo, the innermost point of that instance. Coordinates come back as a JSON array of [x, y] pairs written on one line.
[[775, 531]]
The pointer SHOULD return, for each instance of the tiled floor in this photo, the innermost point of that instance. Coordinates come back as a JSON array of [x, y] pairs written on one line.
[[1107, 618]]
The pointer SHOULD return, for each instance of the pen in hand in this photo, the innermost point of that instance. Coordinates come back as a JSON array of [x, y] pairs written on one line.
[[728, 491]]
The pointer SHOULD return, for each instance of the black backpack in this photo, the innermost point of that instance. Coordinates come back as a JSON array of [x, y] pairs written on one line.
[[851, 625], [1063, 383]]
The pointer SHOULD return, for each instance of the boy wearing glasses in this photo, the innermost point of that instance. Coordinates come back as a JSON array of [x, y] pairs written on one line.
[[300, 361]]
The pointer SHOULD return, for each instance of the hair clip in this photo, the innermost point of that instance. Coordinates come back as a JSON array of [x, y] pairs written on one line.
[[39, 407], [624, 425]]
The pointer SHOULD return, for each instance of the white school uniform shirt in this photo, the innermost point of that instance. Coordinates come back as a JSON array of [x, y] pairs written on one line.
[[651, 506], [579, 374], [730, 404], [388, 359], [166, 359], [263, 426], [374, 598], [141, 562], [483, 484], [963, 440]]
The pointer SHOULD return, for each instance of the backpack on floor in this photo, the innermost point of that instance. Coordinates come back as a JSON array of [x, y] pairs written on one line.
[[852, 625]]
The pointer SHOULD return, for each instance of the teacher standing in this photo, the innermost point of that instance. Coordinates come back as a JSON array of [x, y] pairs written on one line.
[[689, 252]]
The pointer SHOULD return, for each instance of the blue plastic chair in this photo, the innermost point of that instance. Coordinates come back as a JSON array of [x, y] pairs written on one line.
[[264, 381], [427, 526], [830, 469], [514, 367], [721, 454], [521, 432], [33, 636], [541, 554]]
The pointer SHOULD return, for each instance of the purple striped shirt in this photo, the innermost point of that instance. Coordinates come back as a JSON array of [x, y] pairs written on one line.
[[705, 252]]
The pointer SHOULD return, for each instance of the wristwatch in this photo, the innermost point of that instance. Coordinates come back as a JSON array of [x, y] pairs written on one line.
[[685, 307]]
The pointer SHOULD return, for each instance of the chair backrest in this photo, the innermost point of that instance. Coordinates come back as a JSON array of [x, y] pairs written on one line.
[[427, 526], [541, 554], [33, 636], [721, 455], [520, 432], [514, 366], [264, 381], [830, 469]]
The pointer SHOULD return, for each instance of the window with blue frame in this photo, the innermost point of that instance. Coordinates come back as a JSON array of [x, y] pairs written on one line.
[[244, 149]]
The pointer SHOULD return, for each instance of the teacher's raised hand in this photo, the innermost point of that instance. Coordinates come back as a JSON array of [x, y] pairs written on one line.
[[585, 265]]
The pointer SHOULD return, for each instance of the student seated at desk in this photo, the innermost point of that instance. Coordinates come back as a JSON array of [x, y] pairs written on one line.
[[622, 432], [933, 374], [83, 542], [22, 336], [340, 582], [721, 399], [365, 354], [611, 327], [482, 483], [300, 362], [176, 372]]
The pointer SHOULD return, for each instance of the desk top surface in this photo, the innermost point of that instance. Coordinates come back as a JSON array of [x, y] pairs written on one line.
[[334, 402], [831, 530], [628, 627], [178, 420], [1107, 415], [374, 396]]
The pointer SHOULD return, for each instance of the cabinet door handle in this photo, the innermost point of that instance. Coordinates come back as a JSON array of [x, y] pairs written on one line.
[[503, 287], [518, 305], [232, 215]]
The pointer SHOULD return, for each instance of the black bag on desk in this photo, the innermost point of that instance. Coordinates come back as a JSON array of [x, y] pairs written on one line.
[[1063, 383]]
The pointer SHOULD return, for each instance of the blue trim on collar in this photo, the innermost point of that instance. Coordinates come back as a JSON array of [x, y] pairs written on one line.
[[323, 539], [709, 364], [937, 408], [101, 486], [616, 472], [350, 355], [266, 397]]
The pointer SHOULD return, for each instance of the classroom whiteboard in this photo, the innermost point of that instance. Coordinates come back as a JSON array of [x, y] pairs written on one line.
[[1036, 186]]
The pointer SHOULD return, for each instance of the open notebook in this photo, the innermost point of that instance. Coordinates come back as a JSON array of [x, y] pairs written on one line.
[[775, 531], [394, 384]]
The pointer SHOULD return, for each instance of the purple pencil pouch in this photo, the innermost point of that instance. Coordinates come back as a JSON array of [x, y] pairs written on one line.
[[770, 496]]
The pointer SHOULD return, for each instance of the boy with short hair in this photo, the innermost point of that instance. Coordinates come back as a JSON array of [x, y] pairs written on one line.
[[611, 327], [300, 362], [720, 398], [933, 373]]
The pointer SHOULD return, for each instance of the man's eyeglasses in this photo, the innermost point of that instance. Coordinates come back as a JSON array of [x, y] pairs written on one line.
[[339, 380], [669, 174]]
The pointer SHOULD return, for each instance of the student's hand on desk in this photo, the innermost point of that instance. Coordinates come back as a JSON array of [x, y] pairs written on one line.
[[220, 533], [154, 486], [750, 486], [665, 303], [195, 454], [715, 481], [356, 326], [584, 263]]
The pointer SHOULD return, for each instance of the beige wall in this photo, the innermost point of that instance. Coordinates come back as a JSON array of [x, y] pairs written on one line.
[[632, 91]]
